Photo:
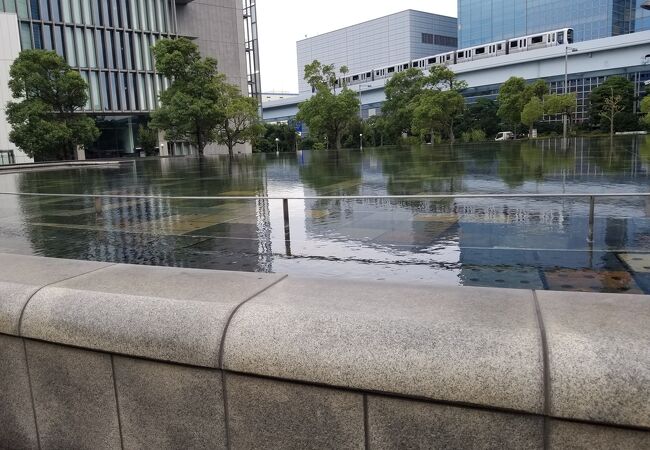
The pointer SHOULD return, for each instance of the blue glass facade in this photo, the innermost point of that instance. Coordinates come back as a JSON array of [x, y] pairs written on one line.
[[483, 21]]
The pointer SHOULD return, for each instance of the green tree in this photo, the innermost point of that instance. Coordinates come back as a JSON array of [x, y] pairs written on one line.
[[514, 95], [147, 139], [611, 108], [481, 115], [532, 113], [565, 104], [645, 110], [192, 108], [326, 113], [240, 121], [625, 120], [402, 91], [321, 76], [284, 133], [44, 116], [440, 105], [511, 101]]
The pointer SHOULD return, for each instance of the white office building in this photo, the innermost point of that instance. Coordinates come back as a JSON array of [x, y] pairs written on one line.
[[392, 39]]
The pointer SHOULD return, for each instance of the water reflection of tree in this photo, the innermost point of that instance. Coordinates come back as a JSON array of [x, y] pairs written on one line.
[[529, 161], [333, 172], [614, 156], [423, 170]]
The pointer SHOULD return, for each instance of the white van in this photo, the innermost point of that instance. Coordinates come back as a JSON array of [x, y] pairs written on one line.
[[505, 136]]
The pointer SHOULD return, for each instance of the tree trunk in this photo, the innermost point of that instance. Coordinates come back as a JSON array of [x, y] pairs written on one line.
[[231, 152], [338, 140], [611, 126]]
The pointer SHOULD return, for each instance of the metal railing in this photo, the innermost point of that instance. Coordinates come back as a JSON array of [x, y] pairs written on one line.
[[285, 200]]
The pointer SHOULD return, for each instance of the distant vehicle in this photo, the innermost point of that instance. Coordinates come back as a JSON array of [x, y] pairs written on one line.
[[505, 136]]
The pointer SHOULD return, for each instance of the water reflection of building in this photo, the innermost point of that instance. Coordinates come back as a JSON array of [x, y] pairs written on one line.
[[157, 231]]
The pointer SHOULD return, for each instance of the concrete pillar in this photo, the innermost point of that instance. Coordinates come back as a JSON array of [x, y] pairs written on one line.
[[163, 145], [80, 153]]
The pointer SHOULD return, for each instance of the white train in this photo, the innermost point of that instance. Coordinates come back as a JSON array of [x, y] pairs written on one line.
[[507, 47]]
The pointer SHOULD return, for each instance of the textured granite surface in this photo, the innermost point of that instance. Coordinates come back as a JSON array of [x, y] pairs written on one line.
[[167, 314], [397, 423], [577, 436], [165, 406], [272, 414], [599, 356], [473, 345], [17, 424], [74, 397], [24, 276]]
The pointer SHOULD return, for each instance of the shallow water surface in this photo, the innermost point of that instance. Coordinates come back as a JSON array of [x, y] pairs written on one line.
[[536, 243]]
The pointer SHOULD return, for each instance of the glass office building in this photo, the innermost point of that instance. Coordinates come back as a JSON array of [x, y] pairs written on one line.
[[483, 21], [109, 42]]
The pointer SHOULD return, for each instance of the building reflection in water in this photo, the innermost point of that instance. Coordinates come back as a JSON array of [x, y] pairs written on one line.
[[514, 242]]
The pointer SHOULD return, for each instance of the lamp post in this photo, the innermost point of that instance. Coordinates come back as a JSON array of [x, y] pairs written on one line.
[[327, 143], [277, 145], [565, 118], [361, 141], [360, 102]]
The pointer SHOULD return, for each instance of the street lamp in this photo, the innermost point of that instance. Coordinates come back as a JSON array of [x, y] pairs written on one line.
[[360, 102], [361, 141], [565, 118], [277, 145]]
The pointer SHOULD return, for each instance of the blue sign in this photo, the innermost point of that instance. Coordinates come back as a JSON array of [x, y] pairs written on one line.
[[299, 127]]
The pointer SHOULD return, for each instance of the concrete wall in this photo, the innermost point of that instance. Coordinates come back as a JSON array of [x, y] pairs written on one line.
[[218, 26], [9, 50], [94, 355]]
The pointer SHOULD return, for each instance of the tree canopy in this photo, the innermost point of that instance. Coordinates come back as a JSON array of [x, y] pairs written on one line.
[[328, 114], [440, 104], [200, 106], [47, 96], [513, 97], [241, 120], [625, 120]]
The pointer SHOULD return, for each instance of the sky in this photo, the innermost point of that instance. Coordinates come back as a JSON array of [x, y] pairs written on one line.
[[283, 22]]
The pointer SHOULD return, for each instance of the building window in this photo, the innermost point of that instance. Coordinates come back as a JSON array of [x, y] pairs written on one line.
[[427, 38], [445, 41]]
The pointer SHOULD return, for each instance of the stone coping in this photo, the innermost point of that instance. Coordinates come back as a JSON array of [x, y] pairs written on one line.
[[582, 357]]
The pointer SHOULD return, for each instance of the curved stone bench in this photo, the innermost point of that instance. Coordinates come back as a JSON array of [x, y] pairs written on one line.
[[95, 355]]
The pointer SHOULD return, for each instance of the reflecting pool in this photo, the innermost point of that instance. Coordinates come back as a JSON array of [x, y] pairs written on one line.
[[536, 243]]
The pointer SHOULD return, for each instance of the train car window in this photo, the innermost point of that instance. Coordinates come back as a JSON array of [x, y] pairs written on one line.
[[355, 78], [461, 54], [432, 60], [537, 40], [369, 74], [560, 37], [569, 36], [406, 66], [391, 70], [499, 47], [479, 51], [514, 44]]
